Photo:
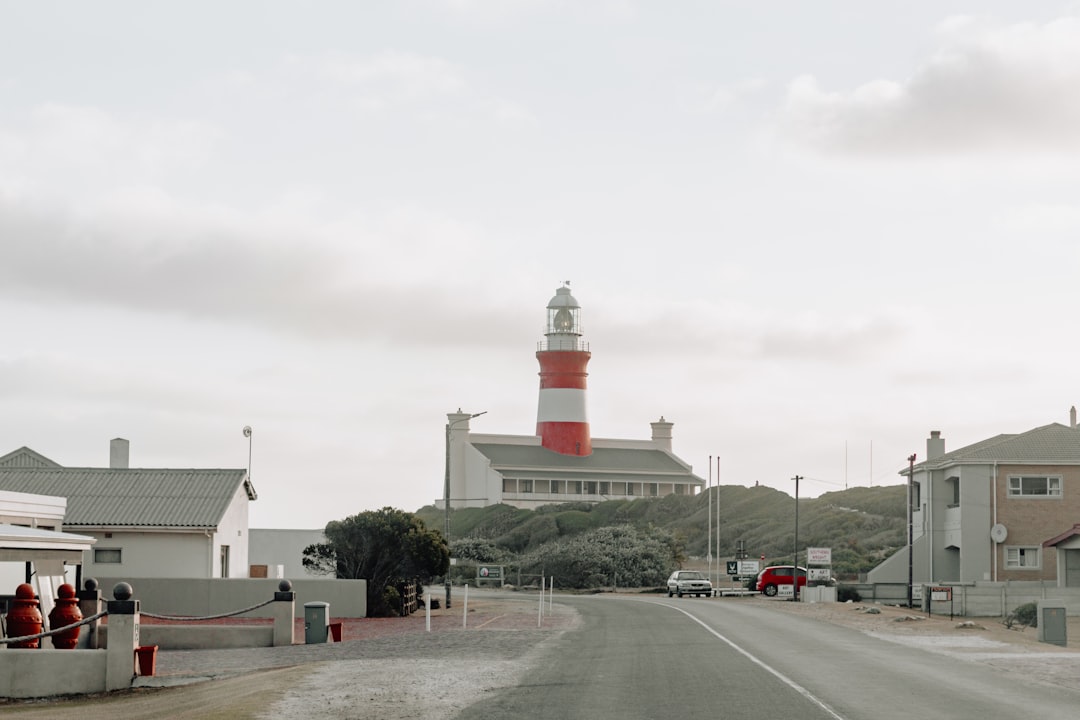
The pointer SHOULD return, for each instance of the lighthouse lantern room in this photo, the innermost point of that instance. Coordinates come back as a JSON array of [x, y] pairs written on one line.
[[561, 420]]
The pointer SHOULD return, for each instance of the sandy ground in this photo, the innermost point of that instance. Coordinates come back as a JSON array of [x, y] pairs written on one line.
[[983, 640], [395, 669]]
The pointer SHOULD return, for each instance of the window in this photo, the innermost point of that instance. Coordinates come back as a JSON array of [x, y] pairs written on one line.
[[1034, 486], [224, 561], [630, 488], [654, 489], [525, 486], [590, 488], [1022, 558], [954, 491], [605, 488], [107, 555]]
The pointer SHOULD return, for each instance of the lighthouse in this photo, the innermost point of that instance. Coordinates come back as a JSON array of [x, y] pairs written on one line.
[[561, 420]]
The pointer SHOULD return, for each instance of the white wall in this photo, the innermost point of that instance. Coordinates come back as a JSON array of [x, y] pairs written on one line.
[[283, 547], [233, 531], [150, 554]]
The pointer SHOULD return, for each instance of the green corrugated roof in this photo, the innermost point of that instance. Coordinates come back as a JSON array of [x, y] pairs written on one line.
[[102, 497], [538, 462], [1052, 444]]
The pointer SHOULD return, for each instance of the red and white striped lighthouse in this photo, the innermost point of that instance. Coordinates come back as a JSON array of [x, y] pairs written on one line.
[[561, 421]]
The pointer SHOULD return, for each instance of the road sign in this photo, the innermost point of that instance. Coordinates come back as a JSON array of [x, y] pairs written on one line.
[[489, 572], [732, 567], [749, 567]]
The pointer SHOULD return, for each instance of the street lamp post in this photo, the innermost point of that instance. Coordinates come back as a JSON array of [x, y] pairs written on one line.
[[795, 569], [910, 527], [446, 494]]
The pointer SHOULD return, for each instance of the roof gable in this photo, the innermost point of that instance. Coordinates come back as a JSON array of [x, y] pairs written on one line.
[[100, 497], [24, 457], [1053, 444]]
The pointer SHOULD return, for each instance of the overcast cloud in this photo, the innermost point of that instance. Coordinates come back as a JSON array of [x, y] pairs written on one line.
[[807, 234]]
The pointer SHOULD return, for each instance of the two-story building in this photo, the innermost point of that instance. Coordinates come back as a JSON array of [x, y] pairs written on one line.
[[1005, 508]]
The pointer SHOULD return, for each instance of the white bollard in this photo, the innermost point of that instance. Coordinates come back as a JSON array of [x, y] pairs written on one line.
[[540, 616], [427, 612], [465, 605]]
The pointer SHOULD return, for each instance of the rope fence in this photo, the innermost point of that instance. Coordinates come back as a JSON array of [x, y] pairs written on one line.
[[189, 618], [47, 633]]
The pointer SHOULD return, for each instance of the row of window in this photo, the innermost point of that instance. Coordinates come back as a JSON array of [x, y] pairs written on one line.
[[1034, 486], [586, 487], [1020, 486]]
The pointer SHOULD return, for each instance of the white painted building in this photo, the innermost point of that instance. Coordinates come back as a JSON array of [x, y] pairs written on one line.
[[562, 462], [146, 522]]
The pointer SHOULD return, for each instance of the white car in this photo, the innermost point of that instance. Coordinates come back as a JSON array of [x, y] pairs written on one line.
[[688, 582]]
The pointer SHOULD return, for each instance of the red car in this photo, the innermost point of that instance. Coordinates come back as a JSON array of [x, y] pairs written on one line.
[[775, 575]]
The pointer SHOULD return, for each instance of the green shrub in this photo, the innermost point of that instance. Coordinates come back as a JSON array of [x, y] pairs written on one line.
[[1026, 614], [845, 593]]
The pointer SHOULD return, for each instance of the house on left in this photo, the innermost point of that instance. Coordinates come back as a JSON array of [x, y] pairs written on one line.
[[161, 523]]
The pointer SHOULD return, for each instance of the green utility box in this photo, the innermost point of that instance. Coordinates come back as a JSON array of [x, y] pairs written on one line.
[[316, 622], [1053, 626]]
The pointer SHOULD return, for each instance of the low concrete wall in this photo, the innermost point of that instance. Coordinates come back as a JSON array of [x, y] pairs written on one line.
[[201, 637], [980, 599], [198, 597], [27, 673]]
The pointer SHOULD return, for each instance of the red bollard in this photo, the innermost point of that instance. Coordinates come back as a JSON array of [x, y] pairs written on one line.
[[64, 613], [24, 618]]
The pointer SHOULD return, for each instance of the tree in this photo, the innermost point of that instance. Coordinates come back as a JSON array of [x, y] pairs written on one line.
[[386, 547]]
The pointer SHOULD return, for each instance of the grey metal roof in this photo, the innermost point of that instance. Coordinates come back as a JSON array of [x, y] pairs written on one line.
[[604, 464], [102, 497], [1052, 444], [24, 457]]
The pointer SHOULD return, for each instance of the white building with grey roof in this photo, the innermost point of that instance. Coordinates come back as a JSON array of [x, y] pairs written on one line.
[[562, 462]]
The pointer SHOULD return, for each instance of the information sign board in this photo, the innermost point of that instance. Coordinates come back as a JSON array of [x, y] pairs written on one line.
[[489, 572], [819, 556], [749, 567]]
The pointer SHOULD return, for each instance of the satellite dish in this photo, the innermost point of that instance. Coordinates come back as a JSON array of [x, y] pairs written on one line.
[[998, 533]]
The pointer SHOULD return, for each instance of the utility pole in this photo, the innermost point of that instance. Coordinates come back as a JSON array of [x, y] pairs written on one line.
[[910, 527], [795, 569]]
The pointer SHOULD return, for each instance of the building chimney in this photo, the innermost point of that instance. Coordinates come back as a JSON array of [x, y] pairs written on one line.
[[1072, 416], [935, 445], [661, 433], [118, 454]]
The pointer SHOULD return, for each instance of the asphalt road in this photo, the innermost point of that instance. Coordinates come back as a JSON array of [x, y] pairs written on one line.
[[657, 658]]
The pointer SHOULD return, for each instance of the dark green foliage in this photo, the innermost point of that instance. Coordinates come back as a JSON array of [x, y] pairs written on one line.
[[1026, 614], [572, 522], [386, 547], [616, 555], [862, 525], [844, 593], [478, 551]]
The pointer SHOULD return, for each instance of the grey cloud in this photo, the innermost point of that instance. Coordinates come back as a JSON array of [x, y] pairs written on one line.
[[999, 88], [220, 275]]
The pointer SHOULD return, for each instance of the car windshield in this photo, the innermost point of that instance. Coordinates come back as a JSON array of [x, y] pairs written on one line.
[[691, 576]]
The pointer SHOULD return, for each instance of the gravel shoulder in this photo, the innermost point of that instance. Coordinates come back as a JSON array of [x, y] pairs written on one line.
[[384, 669]]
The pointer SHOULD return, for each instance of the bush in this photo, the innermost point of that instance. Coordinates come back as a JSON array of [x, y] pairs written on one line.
[[845, 593], [1026, 614]]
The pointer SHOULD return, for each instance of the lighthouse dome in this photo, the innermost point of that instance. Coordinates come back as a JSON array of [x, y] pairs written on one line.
[[563, 299]]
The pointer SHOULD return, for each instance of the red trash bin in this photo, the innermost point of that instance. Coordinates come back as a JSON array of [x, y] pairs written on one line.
[[147, 657]]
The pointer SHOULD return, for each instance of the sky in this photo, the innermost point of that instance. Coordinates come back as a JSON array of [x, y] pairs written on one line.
[[806, 233]]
